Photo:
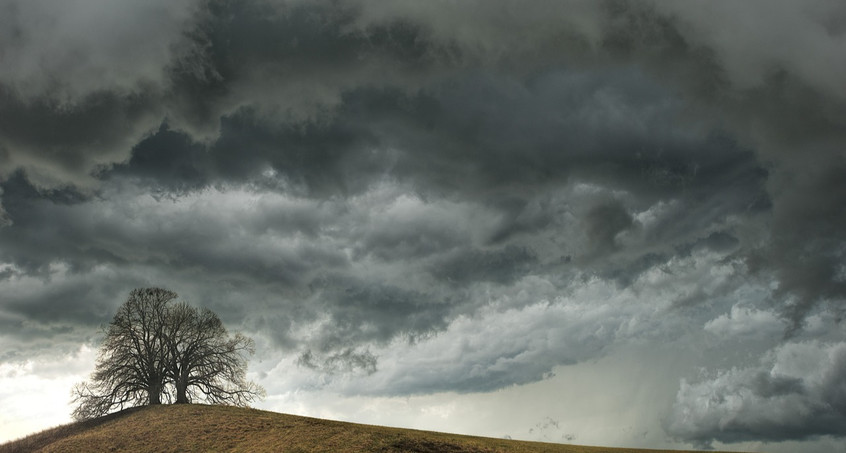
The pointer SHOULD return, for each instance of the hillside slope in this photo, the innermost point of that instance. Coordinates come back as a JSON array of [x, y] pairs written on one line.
[[200, 428]]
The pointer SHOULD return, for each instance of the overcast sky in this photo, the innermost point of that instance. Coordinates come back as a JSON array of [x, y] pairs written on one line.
[[598, 222]]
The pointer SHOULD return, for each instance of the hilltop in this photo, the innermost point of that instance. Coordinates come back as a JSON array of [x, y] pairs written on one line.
[[201, 428]]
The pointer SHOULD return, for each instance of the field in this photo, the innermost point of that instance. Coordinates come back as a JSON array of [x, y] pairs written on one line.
[[201, 428]]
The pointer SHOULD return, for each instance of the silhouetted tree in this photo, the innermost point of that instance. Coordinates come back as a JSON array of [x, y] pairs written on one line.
[[130, 368], [152, 347], [204, 361]]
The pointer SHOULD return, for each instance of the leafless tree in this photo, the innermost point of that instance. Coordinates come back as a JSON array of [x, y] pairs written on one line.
[[204, 361], [131, 365], [154, 350]]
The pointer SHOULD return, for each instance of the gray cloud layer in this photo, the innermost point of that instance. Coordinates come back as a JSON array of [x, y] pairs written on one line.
[[797, 392], [344, 178]]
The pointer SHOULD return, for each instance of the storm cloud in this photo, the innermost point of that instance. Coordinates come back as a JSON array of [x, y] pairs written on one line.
[[424, 197], [796, 392]]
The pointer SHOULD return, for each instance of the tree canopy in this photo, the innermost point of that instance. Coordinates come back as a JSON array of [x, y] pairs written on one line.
[[156, 350]]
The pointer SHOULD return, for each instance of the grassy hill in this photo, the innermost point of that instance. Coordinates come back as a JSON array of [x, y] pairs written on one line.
[[200, 428]]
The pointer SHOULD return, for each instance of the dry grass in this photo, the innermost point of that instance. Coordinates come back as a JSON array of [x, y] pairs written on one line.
[[200, 428]]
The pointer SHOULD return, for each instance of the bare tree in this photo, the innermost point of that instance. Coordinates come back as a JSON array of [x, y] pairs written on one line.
[[131, 365], [154, 349], [204, 361]]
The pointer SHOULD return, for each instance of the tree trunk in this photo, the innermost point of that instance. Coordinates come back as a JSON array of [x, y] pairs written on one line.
[[182, 390], [154, 395]]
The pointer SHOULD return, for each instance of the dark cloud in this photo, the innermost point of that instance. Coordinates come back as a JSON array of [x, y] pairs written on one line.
[[4, 217], [366, 312], [603, 223], [500, 266], [169, 160], [346, 361], [80, 84], [22, 238], [627, 271], [342, 180], [477, 137], [808, 236], [292, 59], [719, 241], [61, 144]]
